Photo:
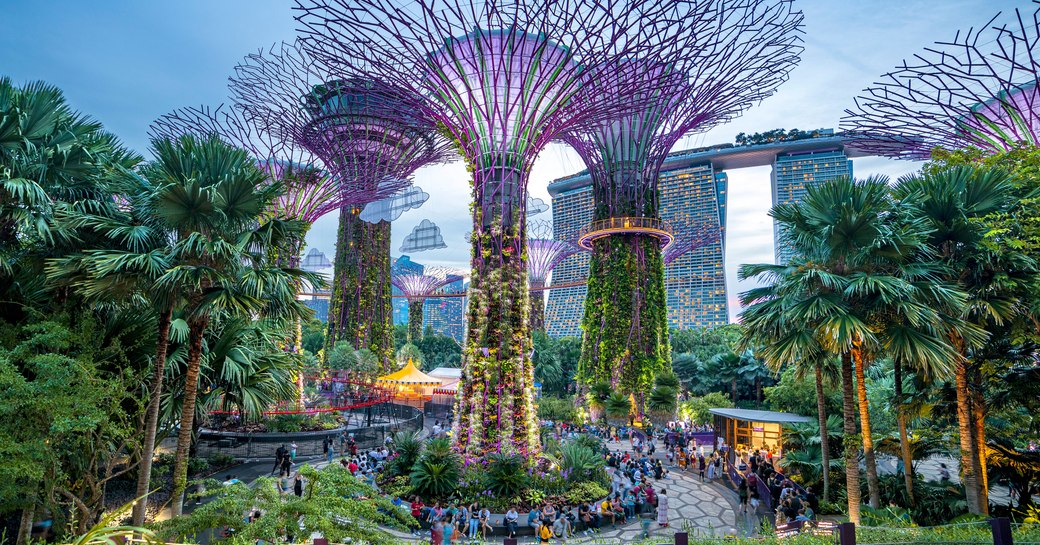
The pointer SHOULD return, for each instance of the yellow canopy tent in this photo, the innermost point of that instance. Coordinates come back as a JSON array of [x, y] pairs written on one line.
[[410, 382]]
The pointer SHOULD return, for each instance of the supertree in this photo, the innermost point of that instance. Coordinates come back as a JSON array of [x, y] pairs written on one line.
[[503, 80], [371, 136], [977, 90], [417, 287], [725, 56], [544, 253]]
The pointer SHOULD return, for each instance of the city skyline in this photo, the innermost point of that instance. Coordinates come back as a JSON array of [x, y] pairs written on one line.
[[184, 53]]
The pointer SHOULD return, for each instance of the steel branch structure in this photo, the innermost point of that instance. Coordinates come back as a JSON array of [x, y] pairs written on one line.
[[416, 287], [716, 59], [688, 239], [978, 90], [371, 137], [504, 79], [544, 253]]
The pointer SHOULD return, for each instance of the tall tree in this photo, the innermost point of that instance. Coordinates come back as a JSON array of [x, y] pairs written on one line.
[[957, 204], [210, 196]]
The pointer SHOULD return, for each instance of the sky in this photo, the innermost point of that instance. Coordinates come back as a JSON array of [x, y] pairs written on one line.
[[126, 62]]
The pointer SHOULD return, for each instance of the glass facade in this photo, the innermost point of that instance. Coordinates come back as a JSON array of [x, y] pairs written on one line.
[[793, 173], [400, 304], [696, 282], [444, 314]]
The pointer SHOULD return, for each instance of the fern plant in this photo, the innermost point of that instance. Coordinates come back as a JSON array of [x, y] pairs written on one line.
[[506, 475]]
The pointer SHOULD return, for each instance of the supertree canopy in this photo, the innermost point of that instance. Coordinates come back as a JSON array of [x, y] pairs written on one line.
[[977, 90], [544, 253], [503, 80], [416, 287], [371, 137], [724, 57]]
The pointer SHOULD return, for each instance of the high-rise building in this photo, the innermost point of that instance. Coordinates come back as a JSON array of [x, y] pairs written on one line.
[[315, 261], [445, 314], [400, 304], [793, 172], [693, 191], [691, 194]]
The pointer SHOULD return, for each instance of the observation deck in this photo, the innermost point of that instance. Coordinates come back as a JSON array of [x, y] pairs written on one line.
[[651, 227]]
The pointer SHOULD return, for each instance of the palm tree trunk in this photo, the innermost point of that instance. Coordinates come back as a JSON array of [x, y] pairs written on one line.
[[864, 423], [25, 525], [825, 442], [733, 390], [851, 447], [151, 425], [968, 446], [978, 409], [196, 331], [904, 440]]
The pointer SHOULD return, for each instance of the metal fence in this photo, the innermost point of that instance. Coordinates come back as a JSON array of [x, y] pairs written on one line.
[[374, 425]]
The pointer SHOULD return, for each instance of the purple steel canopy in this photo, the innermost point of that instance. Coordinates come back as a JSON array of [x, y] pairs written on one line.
[[504, 80], [978, 90], [416, 286], [367, 132], [722, 58], [501, 77], [544, 252], [310, 193]]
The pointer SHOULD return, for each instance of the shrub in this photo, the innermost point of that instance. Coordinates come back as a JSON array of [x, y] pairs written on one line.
[[557, 409], [397, 487], [506, 475], [409, 447], [286, 423], [435, 478], [221, 460], [578, 463], [437, 472], [617, 408], [591, 442], [585, 491]]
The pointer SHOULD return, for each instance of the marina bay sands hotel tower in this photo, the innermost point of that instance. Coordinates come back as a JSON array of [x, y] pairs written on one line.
[[693, 191]]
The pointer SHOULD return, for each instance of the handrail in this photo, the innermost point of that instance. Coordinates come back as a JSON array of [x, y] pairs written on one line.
[[638, 225]]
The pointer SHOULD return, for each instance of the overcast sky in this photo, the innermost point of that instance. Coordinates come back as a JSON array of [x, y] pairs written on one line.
[[127, 62]]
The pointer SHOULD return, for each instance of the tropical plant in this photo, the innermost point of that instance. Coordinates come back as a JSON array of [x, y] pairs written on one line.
[[617, 408], [210, 196], [335, 505], [661, 404], [579, 463], [409, 447], [435, 477], [850, 290], [506, 475], [557, 409]]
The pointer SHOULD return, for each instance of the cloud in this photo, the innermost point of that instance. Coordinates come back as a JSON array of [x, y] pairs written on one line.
[[425, 236], [391, 208], [536, 206]]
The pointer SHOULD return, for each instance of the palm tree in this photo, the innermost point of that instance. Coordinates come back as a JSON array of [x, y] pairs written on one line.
[[210, 196], [769, 322], [953, 202], [852, 271]]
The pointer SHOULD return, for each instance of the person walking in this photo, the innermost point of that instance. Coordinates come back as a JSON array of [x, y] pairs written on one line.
[[298, 485], [662, 507], [292, 452], [278, 454], [742, 493]]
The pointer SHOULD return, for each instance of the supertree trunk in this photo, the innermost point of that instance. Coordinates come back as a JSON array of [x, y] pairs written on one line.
[[415, 320], [537, 311], [625, 324], [345, 304], [495, 405], [378, 328], [360, 311]]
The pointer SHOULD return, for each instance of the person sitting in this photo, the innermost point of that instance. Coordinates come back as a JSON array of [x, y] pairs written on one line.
[[534, 519], [606, 511], [545, 533], [512, 516]]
